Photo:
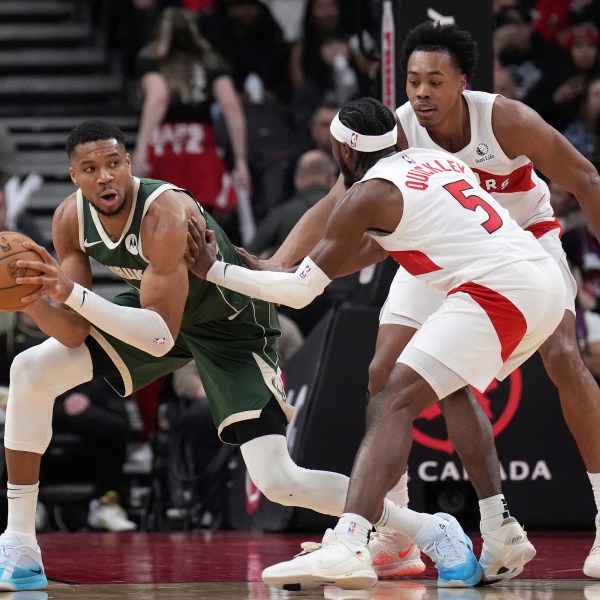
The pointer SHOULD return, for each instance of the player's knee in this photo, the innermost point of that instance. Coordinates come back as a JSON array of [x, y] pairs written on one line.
[[561, 357], [277, 483], [23, 366], [378, 374]]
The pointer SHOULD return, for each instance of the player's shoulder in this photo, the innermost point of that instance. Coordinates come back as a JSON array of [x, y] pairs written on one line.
[[507, 113], [67, 208]]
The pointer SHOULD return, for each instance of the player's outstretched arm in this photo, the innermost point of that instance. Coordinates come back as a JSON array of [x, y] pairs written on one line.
[[334, 256]]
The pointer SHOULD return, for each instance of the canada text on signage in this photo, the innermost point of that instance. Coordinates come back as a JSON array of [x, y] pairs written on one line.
[[515, 470]]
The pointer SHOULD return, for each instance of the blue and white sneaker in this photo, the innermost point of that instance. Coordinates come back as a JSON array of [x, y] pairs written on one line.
[[21, 566], [445, 542]]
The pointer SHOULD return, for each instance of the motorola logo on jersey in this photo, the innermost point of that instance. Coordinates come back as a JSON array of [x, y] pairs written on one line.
[[131, 243], [499, 402]]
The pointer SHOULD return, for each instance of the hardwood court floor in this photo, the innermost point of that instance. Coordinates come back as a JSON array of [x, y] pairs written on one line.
[[227, 565]]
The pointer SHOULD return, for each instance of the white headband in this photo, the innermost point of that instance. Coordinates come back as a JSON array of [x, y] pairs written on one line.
[[359, 141]]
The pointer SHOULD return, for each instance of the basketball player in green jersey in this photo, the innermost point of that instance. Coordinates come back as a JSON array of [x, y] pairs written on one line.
[[138, 229]]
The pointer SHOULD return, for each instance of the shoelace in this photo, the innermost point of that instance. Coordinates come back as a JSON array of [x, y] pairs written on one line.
[[308, 547], [383, 537], [448, 551]]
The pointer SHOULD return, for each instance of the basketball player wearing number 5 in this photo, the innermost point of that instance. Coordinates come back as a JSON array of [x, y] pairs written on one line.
[[504, 141], [500, 296]]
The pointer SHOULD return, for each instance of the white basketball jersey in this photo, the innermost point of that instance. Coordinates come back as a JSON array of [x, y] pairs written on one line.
[[511, 181], [451, 231]]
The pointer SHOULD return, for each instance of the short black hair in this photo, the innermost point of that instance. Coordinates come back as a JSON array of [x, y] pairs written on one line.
[[92, 131], [433, 37], [367, 116]]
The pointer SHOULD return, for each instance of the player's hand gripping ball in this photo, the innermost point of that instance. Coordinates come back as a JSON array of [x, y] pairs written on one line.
[[12, 250]]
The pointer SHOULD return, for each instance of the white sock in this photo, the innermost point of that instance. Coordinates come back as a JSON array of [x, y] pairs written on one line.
[[22, 503], [493, 511], [353, 530], [399, 493], [403, 520], [595, 481]]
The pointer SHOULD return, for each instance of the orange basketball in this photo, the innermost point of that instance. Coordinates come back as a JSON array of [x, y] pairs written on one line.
[[12, 250]]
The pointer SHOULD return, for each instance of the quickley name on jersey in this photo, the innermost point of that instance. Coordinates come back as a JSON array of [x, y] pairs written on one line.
[[125, 257]]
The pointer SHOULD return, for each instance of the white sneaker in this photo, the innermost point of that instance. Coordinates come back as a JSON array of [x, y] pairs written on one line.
[[591, 566], [21, 566], [505, 551], [450, 549], [332, 563], [107, 513], [394, 555]]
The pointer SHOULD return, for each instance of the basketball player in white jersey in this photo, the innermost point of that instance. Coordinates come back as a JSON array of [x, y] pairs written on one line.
[[503, 141], [500, 296]]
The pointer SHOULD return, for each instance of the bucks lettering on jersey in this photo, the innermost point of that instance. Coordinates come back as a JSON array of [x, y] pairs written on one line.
[[125, 257]]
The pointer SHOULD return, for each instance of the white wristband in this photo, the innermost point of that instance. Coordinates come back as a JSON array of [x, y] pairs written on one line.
[[145, 329], [296, 289]]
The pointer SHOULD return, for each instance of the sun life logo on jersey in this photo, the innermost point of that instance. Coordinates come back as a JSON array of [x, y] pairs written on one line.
[[131, 244], [483, 150]]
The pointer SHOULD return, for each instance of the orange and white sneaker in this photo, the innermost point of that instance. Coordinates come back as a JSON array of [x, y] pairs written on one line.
[[394, 555]]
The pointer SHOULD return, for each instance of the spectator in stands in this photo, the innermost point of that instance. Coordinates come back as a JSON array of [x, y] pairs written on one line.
[[24, 223], [181, 77], [315, 175], [582, 131], [247, 35], [324, 67], [503, 82], [318, 139], [97, 413], [565, 206], [318, 127], [560, 94], [583, 252], [115, 18], [522, 50], [552, 17]]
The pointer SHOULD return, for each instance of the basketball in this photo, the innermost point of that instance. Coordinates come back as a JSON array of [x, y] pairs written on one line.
[[12, 250]]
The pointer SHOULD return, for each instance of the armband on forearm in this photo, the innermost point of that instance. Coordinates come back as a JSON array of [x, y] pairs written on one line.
[[145, 329], [296, 289]]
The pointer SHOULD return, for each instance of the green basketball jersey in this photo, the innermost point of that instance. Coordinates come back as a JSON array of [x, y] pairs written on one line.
[[125, 257]]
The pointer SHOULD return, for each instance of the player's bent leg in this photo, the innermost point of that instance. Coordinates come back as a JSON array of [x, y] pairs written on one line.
[[506, 548], [580, 402], [578, 390], [391, 340], [281, 480], [394, 555], [471, 434], [38, 375]]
